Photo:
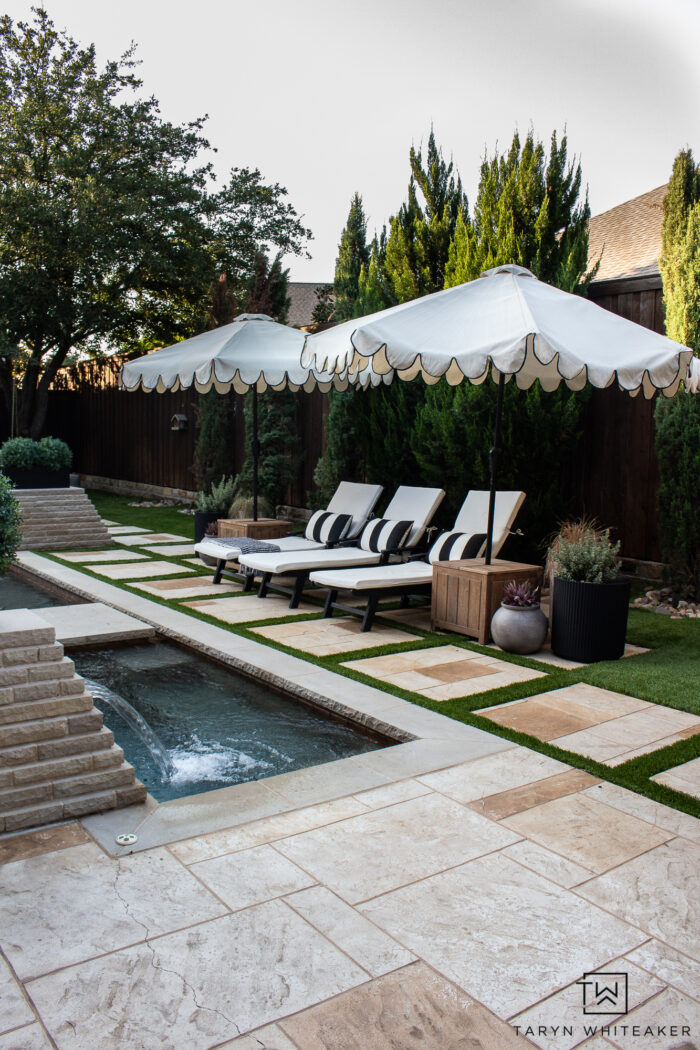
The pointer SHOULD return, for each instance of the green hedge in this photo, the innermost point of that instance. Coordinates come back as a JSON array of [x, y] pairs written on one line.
[[49, 453]]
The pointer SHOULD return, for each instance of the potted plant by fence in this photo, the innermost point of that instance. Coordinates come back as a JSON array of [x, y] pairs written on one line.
[[589, 601], [519, 625], [41, 464], [212, 505]]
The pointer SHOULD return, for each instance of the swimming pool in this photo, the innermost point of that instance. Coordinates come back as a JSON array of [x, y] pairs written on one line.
[[206, 727], [18, 593]]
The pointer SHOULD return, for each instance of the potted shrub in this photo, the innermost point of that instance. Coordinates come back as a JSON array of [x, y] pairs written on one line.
[[589, 600], [43, 464], [519, 625], [212, 505], [10, 522]]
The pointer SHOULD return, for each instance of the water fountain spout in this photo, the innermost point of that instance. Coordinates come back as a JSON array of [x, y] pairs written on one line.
[[138, 723]]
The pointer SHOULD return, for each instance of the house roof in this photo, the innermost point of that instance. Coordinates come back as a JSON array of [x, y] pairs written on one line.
[[303, 296], [629, 238]]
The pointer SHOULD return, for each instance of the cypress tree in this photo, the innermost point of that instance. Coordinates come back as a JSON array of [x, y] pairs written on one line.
[[353, 255], [528, 211], [678, 419]]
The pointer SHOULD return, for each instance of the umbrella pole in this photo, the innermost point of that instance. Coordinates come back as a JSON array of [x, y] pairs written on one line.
[[493, 464], [256, 450]]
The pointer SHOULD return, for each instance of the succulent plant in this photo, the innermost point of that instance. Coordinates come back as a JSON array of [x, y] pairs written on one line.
[[520, 595]]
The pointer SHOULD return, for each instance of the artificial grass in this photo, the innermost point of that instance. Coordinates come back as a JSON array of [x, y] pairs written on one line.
[[668, 675], [157, 519]]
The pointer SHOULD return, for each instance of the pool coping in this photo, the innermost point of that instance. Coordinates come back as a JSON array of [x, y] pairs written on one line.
[[426, 740]]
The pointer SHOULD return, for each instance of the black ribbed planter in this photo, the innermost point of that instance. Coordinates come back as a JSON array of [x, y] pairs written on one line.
[[202, 520], [38, 477], [589, 620]]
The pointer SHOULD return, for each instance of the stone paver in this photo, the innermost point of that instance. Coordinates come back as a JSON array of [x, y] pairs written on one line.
[[89, 557], [685, 777], [325, 637], [141, 539], [248, 608], [94, 623], [187, 587], [444, 672], [546, 656], [171, 550], [142, 570], [603, 725]]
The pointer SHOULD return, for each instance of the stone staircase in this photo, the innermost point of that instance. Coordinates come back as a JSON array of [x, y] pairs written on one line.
[[58, 519], [57, 760]]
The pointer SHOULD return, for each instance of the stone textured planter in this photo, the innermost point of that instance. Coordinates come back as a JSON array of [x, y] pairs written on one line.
[[589, 620], [519, 629], [38, 478]]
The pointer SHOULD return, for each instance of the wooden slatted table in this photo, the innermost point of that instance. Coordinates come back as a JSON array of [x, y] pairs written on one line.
[[262, 529], [467, 593]]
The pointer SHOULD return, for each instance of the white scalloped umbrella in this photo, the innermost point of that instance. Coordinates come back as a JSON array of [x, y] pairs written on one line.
[[252, 353], [512, 325]]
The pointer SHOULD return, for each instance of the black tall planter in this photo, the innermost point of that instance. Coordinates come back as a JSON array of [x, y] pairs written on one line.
[[589, 620], [38, 477], [202, 519]]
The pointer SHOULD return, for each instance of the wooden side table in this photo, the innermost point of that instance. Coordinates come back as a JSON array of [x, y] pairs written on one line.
[[467, 593], [262, 529]]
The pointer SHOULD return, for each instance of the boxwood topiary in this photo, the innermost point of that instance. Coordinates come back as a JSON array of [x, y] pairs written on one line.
[[10, 518], [23, 453]]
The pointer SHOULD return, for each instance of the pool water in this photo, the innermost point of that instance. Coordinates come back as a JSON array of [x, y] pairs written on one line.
[[210, 728], [16, 593]]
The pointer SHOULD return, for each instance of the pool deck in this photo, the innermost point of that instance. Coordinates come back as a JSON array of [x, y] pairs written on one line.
[[445, 893]]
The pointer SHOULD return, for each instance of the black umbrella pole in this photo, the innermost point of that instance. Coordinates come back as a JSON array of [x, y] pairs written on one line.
[[256, 450], [493, 464]]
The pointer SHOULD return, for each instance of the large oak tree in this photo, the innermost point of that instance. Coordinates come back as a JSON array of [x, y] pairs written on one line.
[[112, 228]]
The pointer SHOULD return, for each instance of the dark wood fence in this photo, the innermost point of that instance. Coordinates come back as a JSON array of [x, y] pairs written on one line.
[[127, 436]]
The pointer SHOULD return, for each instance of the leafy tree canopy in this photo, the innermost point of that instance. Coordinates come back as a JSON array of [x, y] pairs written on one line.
[[111, 227]]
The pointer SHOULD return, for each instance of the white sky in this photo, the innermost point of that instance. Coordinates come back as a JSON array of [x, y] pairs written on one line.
[[326, 96]]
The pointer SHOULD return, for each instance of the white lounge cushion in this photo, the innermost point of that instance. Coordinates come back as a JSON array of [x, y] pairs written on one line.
[[325, 527], [285, 563], [418, 505], [403, 574], [230, 553], [356, 499], [454, 546], [383, 535], [474, 514]]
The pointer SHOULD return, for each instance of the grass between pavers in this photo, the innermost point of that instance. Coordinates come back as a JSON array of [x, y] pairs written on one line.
[[661, 676], [157, 519]]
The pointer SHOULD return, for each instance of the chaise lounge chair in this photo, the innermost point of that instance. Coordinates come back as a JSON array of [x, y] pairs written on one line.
[[383, 539], [466, 540], [354, 502]]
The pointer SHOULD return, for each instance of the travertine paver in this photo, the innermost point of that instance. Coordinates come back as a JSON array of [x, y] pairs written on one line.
[[142, 570], [187, 587], [88, 557], [685, 777], [325, 637], [653, 1020], [141, 539], [247, 608], [546, 656], [413, 1009], [171, 550], [501, 932], [606, 726], [251, 877], [444, 672], [118, 530], [44, 840]]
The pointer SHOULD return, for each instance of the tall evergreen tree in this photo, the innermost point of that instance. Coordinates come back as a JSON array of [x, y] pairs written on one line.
[[528, 211], [214, 449], [353, 255], [678, 419]]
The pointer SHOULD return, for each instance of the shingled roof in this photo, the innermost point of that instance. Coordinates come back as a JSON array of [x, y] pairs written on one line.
[[629, 238], [303, 296]]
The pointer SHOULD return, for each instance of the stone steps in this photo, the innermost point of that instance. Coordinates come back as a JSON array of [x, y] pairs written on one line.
[[58, 519], [57, 760]]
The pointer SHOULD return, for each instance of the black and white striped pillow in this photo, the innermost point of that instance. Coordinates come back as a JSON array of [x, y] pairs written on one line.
[[456, 546], [324, 527], [383, 534]]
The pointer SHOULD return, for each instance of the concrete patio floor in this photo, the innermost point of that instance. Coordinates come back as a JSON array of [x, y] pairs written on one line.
[[448, 893]]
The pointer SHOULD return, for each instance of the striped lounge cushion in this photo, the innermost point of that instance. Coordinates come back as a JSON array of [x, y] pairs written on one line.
[[455, 546], [324, 527], [382, 535]]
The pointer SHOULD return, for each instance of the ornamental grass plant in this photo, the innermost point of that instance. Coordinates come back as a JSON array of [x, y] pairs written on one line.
[[584, 552]]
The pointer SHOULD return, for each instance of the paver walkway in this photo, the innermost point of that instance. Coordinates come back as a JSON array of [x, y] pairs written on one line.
[[454, 909]]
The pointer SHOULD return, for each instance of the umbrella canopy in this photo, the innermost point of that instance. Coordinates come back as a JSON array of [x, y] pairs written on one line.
[[252, 352], [512, 325]]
